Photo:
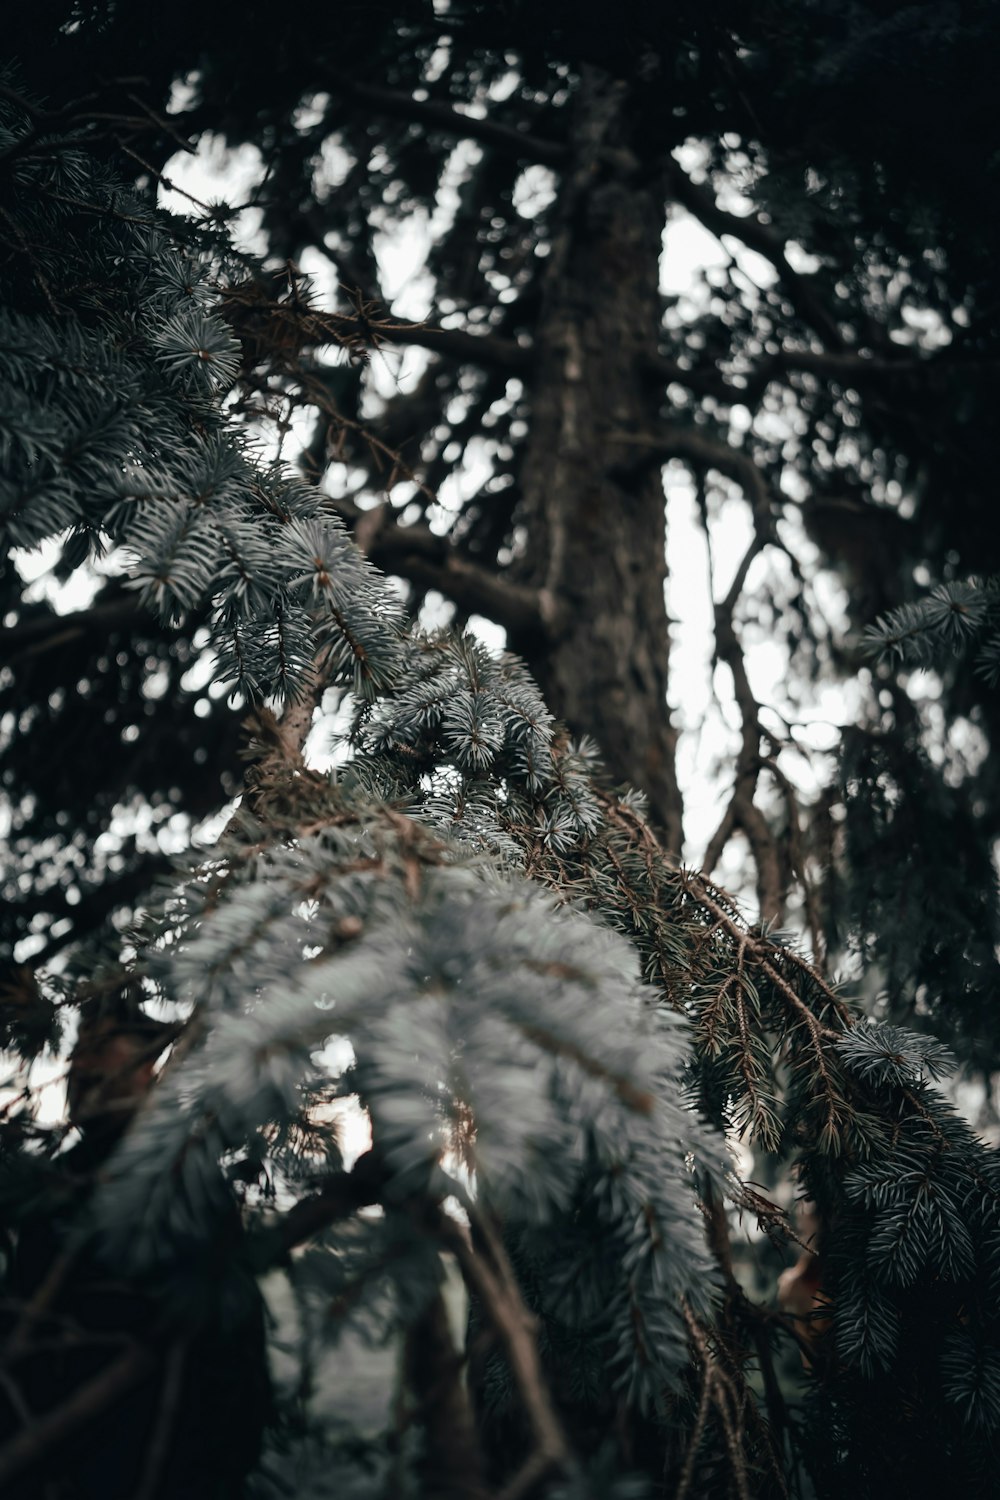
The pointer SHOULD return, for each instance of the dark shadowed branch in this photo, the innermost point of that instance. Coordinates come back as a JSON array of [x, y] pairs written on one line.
[[757, 235], [435, 114], [283, 325], [34, 1444], [433, 562]]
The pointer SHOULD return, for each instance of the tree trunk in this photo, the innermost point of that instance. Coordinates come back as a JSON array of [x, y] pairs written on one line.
[[596, 535]]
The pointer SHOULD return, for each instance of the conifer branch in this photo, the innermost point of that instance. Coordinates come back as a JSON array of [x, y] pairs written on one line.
[[390, 905]]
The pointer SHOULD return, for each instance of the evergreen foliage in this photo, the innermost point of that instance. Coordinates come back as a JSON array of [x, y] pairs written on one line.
[[552, 1023], [800, 134], [952, 618]]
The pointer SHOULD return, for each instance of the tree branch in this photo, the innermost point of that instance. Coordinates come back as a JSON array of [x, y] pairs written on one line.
[[844, 366], [743, 811], [705, 451], [92, 907], [46, 632], [489, 1276], [96, 900], [454, 343], [437, 115], [451, 1464], [798, 861], [486, 1272], [34, 1444], [253, 316], [766, 240], [429, 560], [854, 368], [341, 1195], [707, 381]]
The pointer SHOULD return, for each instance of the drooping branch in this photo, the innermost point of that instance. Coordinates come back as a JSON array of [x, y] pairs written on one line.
[[702, 450]]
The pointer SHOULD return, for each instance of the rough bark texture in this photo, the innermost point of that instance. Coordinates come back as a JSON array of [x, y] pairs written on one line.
[[597, 535]]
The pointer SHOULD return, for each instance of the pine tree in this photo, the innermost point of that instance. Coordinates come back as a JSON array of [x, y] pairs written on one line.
[[552, 1022], [850, 328]]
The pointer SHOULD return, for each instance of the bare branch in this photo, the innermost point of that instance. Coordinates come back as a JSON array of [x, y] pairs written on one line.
[[35, 635], [437, 115], [429, 560], [742, 812], [36, 1443], [767, 241], [488, 1274], [798, 861], [255, 316], [702, 450], [720, 838]]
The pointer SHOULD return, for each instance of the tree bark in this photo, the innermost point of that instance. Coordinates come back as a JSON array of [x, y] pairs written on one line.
[[597, 534], [451, 1464]]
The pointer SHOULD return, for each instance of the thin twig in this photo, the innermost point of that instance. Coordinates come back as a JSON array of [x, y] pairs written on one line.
[[159, 1444]]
